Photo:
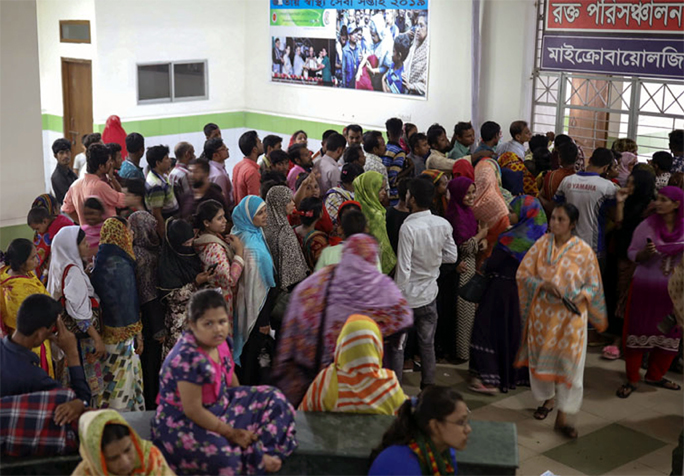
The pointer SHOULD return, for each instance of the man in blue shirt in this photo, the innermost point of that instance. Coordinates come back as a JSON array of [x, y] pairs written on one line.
[[131, 169], [350, 60], [20, 371]]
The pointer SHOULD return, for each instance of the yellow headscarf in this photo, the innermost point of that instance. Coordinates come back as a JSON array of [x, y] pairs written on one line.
[[90, 429], [114, 232], [356, 382]]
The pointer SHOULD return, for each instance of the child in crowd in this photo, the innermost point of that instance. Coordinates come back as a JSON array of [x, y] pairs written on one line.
[[312, 241], [46, 227], [662, 164], [391, 82], [93, 212]]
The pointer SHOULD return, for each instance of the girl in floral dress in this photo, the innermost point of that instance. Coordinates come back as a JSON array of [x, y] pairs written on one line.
[[215, 249], [205, 422]]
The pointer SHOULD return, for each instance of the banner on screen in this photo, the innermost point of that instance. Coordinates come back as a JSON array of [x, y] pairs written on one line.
[[372, 45]]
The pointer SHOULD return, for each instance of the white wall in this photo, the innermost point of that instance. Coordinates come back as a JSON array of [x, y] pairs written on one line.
[[508, 32], [50, 12], [21, 179], [139, 31], [448, 78]]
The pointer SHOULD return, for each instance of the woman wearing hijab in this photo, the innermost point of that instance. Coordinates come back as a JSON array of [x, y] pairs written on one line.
[[356, 382], [323, 302], [463, 168], [626, 163], [469, 237], [497, 331], [113, 278], [370, 189], [490, 206], [109, 445], [180, 276], [290, 265], [114, 132], [657, 247], [68, 280], [146, 246], [252, 306]]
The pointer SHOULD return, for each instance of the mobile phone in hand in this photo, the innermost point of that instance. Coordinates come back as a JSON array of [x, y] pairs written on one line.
[[212, 268], [571, 306]]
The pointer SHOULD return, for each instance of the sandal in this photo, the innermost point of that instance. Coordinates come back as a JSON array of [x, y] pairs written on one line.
[[478, 387], [567, 430], [611, 352], [625, 390], [542, 412], [664, 383]]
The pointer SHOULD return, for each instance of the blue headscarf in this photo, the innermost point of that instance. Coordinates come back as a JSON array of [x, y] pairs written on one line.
[[253, 237]]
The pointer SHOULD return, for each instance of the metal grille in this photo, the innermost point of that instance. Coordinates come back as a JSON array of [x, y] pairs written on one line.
[[597, 109]]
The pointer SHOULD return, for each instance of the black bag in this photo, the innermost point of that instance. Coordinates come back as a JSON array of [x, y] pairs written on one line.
[[474, 289]]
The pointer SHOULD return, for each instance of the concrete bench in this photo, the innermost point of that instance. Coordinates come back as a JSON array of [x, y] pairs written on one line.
[[329, 443]]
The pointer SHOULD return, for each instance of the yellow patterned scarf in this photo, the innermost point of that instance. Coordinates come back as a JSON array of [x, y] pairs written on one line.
[[115, 232]]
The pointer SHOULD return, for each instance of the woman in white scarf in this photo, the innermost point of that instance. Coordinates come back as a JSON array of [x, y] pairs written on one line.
[[415, 72], [68, 250]]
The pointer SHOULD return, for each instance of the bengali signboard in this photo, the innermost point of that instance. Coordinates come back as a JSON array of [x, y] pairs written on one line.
[[376, 45], [627, 56], [619, 37]]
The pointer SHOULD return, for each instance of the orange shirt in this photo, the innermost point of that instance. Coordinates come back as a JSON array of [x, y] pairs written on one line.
[[92, 186], [246, 179]]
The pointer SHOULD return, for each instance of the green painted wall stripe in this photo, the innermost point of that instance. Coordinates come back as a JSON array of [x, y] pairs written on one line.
[[227, 120], [9, 233], [53, 123]]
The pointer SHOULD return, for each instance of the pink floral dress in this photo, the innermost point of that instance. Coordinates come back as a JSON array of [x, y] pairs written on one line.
[[191, 449], [226, 275]]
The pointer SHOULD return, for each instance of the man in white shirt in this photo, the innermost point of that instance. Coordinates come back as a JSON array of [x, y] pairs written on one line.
[[327, 164], [425, 243]]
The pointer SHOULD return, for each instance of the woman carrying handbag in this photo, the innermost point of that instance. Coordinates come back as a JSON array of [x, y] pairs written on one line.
[[69, 283]]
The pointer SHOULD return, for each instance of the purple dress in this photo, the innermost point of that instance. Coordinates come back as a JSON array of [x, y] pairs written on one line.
[[191, 449], [650, 301]]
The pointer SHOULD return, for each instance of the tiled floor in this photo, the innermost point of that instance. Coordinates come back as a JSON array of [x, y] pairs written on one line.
[[634, 436]]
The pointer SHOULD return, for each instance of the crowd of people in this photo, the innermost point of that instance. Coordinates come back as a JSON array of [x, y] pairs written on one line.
[[313, 280]]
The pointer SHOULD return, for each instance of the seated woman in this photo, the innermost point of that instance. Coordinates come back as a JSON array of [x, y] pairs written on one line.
[[497, 327], [205, 422], [217, 251], [68, 280], [424, 437], [110, 446], [323, 302], [17, 282], [356, 382], [312, 241], [113, 278]]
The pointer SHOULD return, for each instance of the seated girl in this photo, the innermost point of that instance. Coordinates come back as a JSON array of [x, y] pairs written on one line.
[[424, 437], [205, 422], [356, 382], [110, 446], [312, 241]]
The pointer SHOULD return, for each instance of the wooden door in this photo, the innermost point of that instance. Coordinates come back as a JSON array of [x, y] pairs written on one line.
[[77, 93]]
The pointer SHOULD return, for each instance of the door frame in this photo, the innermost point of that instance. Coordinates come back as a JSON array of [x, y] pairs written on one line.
[[66, 99]]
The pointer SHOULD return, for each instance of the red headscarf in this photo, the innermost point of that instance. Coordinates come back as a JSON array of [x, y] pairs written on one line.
[[114, 132], [463, 168]]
